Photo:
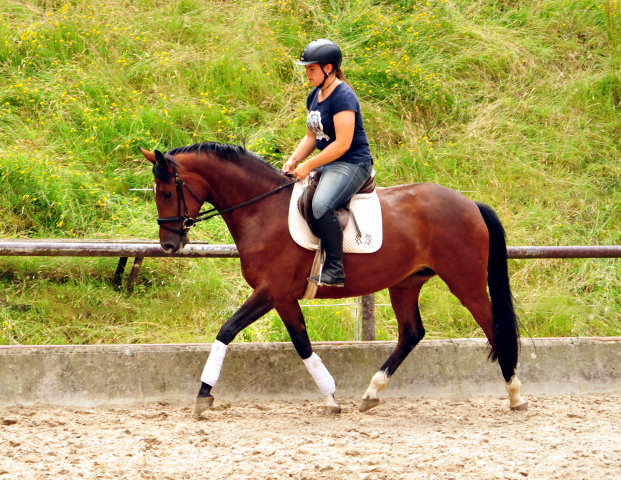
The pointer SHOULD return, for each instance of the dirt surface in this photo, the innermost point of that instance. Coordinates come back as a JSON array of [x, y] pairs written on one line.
[[568, 437]]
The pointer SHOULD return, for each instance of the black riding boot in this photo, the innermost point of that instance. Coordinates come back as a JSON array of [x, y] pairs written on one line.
[[331, 232]]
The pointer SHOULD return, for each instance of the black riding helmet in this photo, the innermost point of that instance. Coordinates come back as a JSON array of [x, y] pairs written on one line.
[[323, 52]]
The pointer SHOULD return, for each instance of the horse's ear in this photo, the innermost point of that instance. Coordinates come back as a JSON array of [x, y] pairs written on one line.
[[148, 155], [159, 158]]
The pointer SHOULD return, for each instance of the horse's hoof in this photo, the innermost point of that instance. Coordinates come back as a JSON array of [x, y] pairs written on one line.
[[368, 404], [331, 410], [202, 404], [521, 406]]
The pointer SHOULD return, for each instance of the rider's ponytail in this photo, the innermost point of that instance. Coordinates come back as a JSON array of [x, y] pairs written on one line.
[[341, 76]]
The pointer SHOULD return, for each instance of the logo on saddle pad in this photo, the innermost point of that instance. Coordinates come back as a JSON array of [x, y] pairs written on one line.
[[362, 235]]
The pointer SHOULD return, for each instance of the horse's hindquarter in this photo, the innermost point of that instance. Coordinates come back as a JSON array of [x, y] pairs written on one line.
[[427, 222]]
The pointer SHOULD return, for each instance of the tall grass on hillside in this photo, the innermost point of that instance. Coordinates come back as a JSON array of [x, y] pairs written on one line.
[[516, 104]]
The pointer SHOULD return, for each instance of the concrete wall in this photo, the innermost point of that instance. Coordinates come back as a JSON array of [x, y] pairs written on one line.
[[122, 374]]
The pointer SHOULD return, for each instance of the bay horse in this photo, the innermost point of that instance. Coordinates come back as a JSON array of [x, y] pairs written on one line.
[[428, 230]]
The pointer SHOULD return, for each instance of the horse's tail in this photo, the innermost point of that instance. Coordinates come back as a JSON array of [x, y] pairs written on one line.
[[505, 328]]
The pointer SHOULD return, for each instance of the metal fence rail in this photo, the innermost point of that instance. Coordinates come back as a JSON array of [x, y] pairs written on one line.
[[599, 251], [140, 249], [96, 248], [147, 248]]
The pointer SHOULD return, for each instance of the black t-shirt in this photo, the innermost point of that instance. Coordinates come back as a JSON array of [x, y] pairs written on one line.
[[320, 120]]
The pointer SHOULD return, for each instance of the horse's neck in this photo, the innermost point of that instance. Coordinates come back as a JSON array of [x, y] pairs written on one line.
[[235, 183]]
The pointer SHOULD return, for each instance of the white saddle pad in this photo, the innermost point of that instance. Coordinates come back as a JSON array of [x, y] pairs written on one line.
[[365, 207]]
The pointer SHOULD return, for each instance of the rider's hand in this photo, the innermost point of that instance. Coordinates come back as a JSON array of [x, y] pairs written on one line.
[[302, 171], [289, 167]]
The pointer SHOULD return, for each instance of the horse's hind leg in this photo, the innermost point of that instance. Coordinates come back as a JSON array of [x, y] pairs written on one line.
[[481, 309], [404, 298], [472, 293]]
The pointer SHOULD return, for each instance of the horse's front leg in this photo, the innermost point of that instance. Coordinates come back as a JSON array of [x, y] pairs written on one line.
[[257, 305], [292, 317]]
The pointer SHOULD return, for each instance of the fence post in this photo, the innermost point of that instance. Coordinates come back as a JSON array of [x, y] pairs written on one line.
[[134, 275], [368, 317]]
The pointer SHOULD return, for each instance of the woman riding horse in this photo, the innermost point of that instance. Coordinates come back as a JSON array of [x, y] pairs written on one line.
[[334, 126], [428, 230]]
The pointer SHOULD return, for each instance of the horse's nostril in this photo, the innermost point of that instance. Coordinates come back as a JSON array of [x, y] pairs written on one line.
[[169, 246]]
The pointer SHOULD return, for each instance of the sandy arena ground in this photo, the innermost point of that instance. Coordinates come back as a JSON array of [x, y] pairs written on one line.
[[565, 437]]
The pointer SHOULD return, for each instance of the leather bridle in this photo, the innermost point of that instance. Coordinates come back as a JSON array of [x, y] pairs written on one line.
[[189, 222]]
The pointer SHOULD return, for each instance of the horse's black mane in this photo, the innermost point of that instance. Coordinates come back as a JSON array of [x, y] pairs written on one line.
[[221, 150]]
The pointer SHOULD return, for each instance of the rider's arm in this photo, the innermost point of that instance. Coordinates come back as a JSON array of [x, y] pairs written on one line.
[[344, 124], [305, 148]]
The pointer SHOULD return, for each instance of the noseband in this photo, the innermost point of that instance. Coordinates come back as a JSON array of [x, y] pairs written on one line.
[[189, 222]]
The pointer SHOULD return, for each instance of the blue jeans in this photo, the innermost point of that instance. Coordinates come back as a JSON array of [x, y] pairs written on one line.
[[339, 182]]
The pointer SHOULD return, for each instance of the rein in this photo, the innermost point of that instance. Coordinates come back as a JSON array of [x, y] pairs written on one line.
[[189, 222]]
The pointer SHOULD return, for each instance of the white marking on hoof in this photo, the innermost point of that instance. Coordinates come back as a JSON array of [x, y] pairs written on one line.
[[368, 404], [330, 406], [515, 401], [202, 404], [378, 383], [329, 401]]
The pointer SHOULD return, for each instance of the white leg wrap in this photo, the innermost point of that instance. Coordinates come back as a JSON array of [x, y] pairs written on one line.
[[320, 374], [214, 363]]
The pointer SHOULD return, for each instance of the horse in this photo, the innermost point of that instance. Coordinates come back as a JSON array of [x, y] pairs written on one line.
[[428, 230]]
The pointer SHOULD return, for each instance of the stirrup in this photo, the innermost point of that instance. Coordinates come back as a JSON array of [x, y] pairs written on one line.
[[327, 280]]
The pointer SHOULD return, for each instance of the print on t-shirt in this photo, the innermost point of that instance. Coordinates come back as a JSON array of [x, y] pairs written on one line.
[[314, 124]]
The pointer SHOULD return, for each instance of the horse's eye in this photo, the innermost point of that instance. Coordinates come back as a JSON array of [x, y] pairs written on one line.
[[167, 196]]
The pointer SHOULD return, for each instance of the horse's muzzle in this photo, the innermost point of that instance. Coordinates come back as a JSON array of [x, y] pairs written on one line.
[[175, 243]]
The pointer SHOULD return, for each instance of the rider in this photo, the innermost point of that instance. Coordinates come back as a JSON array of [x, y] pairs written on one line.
[[334, 126]]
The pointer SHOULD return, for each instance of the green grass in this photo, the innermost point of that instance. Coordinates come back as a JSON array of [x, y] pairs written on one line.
[[517, 104]]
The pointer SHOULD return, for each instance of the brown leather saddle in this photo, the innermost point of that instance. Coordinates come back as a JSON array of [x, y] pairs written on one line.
[[305, 202]]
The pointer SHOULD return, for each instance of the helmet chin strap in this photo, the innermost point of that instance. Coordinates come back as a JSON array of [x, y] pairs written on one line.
[[326, 75]]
